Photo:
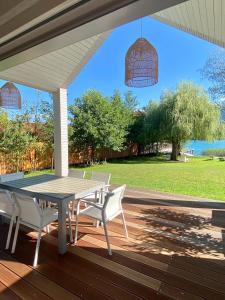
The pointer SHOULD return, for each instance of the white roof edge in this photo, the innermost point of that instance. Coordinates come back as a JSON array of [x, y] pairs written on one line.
[[188, 30]]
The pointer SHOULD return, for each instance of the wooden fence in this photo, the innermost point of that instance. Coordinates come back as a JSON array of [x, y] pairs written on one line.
[[38, 160]]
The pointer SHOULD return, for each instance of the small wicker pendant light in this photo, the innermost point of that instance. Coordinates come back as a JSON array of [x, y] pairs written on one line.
[[10, 96], [141, 64]]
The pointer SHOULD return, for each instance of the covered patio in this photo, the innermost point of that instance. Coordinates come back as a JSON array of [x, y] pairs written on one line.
[[173, 252], [175, 248]]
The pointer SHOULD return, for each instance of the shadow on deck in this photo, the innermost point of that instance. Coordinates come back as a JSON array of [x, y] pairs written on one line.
[[175, 250]]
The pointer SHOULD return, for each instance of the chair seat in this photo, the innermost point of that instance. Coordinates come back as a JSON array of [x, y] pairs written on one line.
[[92, 212], [9, 214], [50, 215]]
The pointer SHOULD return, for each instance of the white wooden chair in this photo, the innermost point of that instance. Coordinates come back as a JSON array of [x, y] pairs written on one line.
[[102, 177], [105, 212], [33, 216], [12, 176], [8, 209], [77, 174]]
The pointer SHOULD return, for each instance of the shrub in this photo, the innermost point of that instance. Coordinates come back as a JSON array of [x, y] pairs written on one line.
[[215, 152]]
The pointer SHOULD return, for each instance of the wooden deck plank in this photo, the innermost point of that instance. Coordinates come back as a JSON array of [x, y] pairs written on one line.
[[156, 259], [83, 278], [181, 278], [36, 279], [7, 294], [19, 286], [156, 262]]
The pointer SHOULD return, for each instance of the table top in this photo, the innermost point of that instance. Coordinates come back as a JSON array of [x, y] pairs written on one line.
[[53, 188]]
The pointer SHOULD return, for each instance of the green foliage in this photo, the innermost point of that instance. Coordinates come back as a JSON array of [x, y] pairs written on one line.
[[99, 122], [130, 101], [189, 114], [214, 71], [4, 120], [45, 124], [15, 138], [182, 115], [136, 129], [214, 152], [152, 123], [44, 130]]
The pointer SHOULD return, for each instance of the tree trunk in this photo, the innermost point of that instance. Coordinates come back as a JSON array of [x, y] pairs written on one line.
[[175, 150]]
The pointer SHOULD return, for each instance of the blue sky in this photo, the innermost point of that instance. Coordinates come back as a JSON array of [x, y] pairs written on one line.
[[181, 55]]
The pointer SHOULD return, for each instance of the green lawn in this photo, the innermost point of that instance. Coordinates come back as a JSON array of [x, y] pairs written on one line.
[[199, 177]]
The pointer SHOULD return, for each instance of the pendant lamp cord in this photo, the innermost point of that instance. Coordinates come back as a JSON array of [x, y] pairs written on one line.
[[141, 27]]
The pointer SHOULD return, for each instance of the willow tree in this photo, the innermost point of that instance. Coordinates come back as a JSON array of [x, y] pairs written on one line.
[[188, 114]]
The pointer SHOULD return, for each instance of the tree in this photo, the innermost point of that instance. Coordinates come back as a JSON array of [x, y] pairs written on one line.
[[152, 125], [98, 122], [136, 132], [130, 101], [16, 139], [44, 128], [187, 114], [214, 71]]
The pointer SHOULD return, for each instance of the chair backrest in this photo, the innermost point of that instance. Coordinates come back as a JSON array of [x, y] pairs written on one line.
[[77, 174], [30, 212], [8, 204], [12, 176], [112, 205], [103, 177]]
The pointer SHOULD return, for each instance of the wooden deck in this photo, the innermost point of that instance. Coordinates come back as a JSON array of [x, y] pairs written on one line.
[[174, 252]]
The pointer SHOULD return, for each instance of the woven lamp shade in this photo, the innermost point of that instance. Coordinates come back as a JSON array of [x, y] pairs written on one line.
[[10, 96], [141, 64]]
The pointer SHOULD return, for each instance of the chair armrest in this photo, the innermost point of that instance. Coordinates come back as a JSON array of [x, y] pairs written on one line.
[[97, 205]]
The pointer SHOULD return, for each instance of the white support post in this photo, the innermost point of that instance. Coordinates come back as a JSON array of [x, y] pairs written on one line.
[[61, 132]]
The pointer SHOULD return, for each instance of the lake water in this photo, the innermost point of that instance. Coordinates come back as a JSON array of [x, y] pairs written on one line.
[[200, 146]]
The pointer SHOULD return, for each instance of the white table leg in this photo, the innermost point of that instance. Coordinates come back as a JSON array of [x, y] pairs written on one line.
[[62, 248]]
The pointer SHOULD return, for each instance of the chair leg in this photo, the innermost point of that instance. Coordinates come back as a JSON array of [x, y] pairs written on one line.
[[9, 233], [37, 249], [76, 230], [15, 236], [107, 238], [73, 208], [124, 225], [70, 225], [47, 229]]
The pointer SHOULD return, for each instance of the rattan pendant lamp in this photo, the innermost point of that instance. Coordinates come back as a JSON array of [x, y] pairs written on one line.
[[10, 96], [141, 64]]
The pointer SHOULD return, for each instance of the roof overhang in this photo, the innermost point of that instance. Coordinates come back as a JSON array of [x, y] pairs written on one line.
[[202, 18], [55, 51]]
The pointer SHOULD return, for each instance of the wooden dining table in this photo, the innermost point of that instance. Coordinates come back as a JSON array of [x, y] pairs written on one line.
[[59, 190]]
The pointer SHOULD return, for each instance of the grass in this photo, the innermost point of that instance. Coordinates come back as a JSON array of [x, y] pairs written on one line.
[[200, 177]]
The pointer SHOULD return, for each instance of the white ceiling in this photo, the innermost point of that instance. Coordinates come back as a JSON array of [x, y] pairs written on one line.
[[56, 69], [203, 18], [57, 62]]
